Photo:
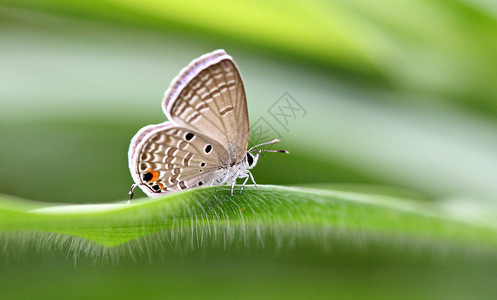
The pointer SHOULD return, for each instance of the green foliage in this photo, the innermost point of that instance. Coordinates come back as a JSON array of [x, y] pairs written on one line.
[[437, 49], [391, 89], [290, 214]]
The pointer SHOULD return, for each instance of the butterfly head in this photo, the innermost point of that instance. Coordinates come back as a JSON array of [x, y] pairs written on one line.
[[251, 159], [253, 154]]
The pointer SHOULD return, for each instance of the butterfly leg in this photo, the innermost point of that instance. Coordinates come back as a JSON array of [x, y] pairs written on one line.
[[252, 177], [233, 186], [243, 184], [132, 192]]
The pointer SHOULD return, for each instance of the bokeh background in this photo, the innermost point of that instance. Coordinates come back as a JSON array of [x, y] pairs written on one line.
[[389, 93]]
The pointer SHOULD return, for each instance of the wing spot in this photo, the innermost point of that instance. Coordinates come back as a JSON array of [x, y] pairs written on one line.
[[173, 179], [208, 148], [193, 100], [182, 185], [202, 164], [150, 176], [186, 160], [189, 136], [226, 110], [200, 183], [171, 152], [193, 117], [145, 156], [223, 87], [182, 145], [147, 176], [202, 106]]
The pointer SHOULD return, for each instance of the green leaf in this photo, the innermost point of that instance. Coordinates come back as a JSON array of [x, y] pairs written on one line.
[[284, 215], [443, 48]]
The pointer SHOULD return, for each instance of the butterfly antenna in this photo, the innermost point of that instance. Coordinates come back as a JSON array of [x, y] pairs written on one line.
[[268, 150], [264, 144]]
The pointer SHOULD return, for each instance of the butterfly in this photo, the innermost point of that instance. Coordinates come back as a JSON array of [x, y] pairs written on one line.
[[205, 141]]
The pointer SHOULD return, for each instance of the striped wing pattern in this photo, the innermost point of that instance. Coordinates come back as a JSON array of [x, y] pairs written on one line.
[[214, 103], [207, 131], [172, 158]]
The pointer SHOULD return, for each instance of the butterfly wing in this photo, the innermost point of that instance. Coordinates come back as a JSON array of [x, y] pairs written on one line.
[[166, 157], [208, 96]]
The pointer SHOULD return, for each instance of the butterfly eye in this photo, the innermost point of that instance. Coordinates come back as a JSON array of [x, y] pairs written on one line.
[[250, 159], [189, 136], [208, 148]]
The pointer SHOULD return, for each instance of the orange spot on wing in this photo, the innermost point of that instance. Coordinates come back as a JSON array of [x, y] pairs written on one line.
[[155, 175]]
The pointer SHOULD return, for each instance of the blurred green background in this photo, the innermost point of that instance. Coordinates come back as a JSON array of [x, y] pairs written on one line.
[[396, 93]]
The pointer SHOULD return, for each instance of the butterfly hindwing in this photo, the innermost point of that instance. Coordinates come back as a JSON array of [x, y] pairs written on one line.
[[167, 157]]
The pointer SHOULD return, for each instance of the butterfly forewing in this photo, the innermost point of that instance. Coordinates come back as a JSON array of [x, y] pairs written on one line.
[[167, 157], [208, 96]]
